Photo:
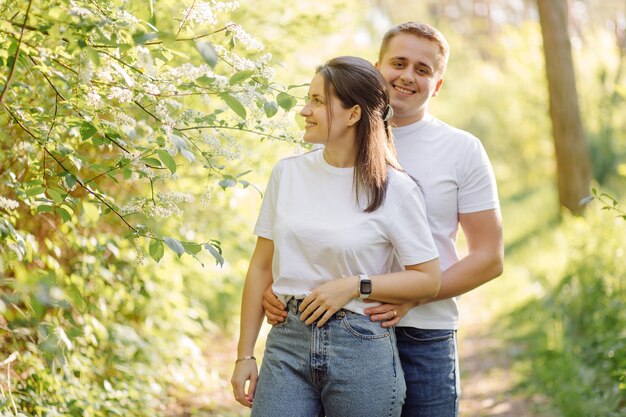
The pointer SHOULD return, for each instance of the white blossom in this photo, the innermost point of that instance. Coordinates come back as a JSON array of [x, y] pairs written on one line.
[[104, 74], [124, 16], [239, 63], [204, 12], [201, 13], [8, 204], [76, 10], [189, 72], [244, 37], [122, 95], [144, 59], [124, 120], [207, 196], [86, 69], [93, 99]]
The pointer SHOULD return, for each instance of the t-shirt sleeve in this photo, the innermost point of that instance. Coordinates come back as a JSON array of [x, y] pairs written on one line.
[[410, 234], [477, 188], [265, 222]]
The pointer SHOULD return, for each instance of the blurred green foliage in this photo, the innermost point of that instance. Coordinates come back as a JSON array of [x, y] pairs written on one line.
[[573, 333]]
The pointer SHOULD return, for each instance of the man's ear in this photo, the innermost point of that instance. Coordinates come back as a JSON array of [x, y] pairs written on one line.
[[355, 115], [437, 87]]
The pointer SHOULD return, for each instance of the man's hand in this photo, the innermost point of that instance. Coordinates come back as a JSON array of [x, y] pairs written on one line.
[[272, 307], [389, 314]]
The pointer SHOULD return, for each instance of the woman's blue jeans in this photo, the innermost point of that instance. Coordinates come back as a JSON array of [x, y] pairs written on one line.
[[349, 367]]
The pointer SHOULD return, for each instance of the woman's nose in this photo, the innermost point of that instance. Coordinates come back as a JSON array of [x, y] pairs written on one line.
[[306, 110]]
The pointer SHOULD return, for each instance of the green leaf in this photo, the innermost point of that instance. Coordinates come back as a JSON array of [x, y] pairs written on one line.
[[227, 183], [291, 86], [219, 259], [65, 216], [208, 52], [192, 248], [141, 38], [152, 19], [87, 130], [70, 180], [35, 191], [153, 162], [240, 76], [174, 245], [234, 104], [44, 208], [286, 101], [205, 80], [167, 160], [271, 108], [56, 194], [156, 249]]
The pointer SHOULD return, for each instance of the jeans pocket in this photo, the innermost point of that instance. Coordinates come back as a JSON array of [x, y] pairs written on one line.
[[425, 335], [363, 328]]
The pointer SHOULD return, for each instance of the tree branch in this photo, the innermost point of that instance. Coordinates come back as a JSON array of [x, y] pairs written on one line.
[[17, 54], [89, 190]]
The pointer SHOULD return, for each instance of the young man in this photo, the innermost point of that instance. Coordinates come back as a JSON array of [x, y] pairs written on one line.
[[459, 187]]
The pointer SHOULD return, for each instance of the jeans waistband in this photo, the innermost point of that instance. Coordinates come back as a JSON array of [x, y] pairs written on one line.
[[294, 303]]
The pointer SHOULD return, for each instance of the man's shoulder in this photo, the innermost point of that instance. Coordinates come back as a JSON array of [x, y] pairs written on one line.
[[456, 133]]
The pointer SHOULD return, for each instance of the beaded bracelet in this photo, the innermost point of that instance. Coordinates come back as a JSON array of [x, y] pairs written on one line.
[[245, 358]]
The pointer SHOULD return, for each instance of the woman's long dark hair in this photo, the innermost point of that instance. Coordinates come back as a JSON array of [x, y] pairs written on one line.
[[354, 81]]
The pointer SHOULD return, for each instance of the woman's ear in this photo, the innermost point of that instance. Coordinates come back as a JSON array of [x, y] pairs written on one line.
[[355, 115]]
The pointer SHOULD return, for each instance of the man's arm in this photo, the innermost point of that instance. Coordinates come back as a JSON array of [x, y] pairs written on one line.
[[485, 257], [484, 262]]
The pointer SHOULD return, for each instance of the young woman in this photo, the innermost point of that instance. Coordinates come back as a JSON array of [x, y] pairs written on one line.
[[330, 224]]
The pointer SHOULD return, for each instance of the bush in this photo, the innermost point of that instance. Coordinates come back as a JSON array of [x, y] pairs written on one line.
[[575, 335]]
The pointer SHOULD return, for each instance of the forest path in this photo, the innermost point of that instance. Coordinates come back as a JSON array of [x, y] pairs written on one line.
[[488, 373]]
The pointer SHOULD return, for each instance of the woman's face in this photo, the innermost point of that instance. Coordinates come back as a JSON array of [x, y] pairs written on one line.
[[325, 117]]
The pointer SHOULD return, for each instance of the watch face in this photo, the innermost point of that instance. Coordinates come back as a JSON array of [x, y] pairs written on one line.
[[366, 287]]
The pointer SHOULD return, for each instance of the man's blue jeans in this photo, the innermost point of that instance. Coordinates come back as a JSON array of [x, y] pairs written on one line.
[[429, 360], [347, 368]]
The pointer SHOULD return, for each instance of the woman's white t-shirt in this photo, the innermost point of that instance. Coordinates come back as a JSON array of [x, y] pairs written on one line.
[[320, 233]]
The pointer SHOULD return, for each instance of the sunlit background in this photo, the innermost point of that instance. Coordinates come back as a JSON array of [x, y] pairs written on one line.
[[93, 325]]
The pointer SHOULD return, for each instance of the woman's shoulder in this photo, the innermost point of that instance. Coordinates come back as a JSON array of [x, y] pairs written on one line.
[[400, 181], [296, 160]]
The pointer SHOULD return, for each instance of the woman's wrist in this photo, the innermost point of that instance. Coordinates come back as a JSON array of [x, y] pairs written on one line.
[[245, 358]]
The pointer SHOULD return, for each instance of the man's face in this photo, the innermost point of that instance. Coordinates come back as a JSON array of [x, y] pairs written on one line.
[[411, 68]]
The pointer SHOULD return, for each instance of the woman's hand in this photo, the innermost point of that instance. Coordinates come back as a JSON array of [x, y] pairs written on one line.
[[327, 299], [389, 314], [245, 371]]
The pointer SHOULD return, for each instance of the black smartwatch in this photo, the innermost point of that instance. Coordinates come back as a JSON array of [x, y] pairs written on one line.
[[365, 286]]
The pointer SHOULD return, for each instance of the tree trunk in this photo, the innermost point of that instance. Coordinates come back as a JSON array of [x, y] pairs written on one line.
[[572, 153]]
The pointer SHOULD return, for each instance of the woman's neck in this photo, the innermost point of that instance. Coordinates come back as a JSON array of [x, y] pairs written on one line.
[[340, 155]]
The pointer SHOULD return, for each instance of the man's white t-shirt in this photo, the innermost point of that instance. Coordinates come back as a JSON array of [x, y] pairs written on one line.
[[455, 176], [320, 233]]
